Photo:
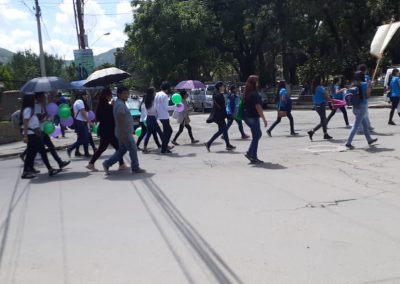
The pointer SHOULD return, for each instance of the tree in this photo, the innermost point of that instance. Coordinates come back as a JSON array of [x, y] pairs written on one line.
[[6, 77]]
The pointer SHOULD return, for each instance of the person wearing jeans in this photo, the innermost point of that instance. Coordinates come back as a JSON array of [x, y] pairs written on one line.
[[252, 113], [363, 90], [161, 102], [395, 94], [320, 98], [124, 129], [81, 125]]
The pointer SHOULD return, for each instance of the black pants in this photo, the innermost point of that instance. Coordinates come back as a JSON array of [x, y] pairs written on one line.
[[231, 119], [278, 120], [47, 142], [395, 102], [222, 130], [344, 111], [35, 146], [143, 134], [106, 140], [167, 133], [181, 127], [320, 109]]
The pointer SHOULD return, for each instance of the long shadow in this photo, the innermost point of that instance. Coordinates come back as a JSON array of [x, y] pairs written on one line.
[[374, 149], [63, 176], [269, 166], [380, 134], [128, 176], [228, 152], [216, 265], [337, 141]]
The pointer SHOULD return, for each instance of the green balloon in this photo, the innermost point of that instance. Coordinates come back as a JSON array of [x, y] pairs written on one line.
[[138, 131], [176, 98], [64, 112], [95, 128], [49, 127], [63, 106]]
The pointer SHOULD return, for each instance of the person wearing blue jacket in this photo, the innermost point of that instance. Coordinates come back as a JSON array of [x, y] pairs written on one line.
[[284, 104], [395, 94], [232, 107], [338, 91]]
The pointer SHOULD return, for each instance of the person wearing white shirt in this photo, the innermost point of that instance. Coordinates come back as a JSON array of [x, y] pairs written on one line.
[[81, 125], [152, 125], [161, 105], [143, 125]]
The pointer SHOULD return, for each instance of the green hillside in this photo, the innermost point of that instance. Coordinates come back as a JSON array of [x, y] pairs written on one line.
[[5, 55]]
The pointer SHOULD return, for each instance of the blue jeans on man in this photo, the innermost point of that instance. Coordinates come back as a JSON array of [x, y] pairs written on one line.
[[254, 125], [129, 145], [361, 121]]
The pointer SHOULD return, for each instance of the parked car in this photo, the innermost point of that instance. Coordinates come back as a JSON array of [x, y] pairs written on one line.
[[201, 99], [134, 108]]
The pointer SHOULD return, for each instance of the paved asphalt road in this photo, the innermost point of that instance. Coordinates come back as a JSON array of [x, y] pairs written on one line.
[[314, 213]]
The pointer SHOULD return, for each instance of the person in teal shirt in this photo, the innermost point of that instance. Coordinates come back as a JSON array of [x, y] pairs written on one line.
[[320, 99], [337, 93], [395, 94], [284, 104]]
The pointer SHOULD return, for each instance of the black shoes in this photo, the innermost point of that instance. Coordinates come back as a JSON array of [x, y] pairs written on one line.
[[63, 164], [138, 171], [372, 141], [310, 134], [294, 133], [327, 137], [349, 146], [207, 146], [53, 172], [269, 133], [28, 175], [230, 147], [391, 122]]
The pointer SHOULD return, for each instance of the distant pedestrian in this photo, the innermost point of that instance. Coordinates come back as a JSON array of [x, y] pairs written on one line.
[[284, 107], [320, 99], [106, 129], [218, 116], [360, 91], [252, 113], [152, 125], [80, 113], [162, 107], [30, 127], [124, 129], [184, 120], [232, 108], [394, 86], [143, 125], [337, 93]]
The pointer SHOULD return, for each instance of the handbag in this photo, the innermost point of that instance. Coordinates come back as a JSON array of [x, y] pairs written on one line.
[[239, 113], [282, 113]]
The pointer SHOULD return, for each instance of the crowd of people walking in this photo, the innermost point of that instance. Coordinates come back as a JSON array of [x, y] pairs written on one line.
[[116, 126]]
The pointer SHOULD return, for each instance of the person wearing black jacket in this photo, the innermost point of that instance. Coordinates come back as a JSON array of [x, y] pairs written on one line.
[[104, 114], [218, 115]]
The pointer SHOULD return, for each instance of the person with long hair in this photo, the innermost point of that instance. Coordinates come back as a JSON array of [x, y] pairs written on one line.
[[143, 125], [105, 117], [320, 99], [361, 90], [337, 93], [184, 120], [252, 113], [161, 101], [232, 108], [284, 104], [80, 113], [30, 127], [218, 116], [152, 125], [394, 86]]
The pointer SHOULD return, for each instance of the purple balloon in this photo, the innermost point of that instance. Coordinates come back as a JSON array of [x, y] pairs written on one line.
[[67, 122], [56, 132], [180, 108], [52, 109], [91, 116]]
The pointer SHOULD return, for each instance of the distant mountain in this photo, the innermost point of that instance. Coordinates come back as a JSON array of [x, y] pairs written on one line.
[[5, 55], [106, 57]]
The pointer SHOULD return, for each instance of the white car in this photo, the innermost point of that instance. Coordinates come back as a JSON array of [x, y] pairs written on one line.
[[386, 82]]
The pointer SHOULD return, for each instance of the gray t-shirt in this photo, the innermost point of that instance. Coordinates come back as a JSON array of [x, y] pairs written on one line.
[[121, 108]]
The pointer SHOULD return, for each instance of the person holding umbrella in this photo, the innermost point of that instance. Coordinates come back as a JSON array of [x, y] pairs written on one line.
[[31, 132]]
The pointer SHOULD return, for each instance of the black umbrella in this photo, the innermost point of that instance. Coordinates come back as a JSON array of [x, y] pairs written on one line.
[[45, 84], [106, 77]]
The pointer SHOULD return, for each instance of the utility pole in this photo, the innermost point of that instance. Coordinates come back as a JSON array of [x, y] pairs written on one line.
[[41, 56], [79, 11], [76, 24]]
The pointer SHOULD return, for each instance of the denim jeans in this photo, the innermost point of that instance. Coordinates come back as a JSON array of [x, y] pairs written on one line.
[[360, 121], [166, 134], [231, 119], [129, 145], [320, 109], [254, 125], [152, 129], [82, 131], [222, 129]]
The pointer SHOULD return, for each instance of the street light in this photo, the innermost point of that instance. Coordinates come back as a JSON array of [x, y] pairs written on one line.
[[105, 34]]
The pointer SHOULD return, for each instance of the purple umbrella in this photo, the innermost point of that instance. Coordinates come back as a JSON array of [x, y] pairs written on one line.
[[190, 85]]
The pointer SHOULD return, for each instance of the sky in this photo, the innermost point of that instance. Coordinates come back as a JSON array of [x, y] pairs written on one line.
[[18, 29]]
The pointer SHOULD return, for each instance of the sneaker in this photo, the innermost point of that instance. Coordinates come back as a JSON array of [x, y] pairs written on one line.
[[247, 155], [175, 143], [294, 133], [245, 136], [106, 169], [195, 141], [63, 164], [123, 167], [327, 137], [391, 122], [310, 134], [78, 154], [92, 168], [258, 161], [230, 147], [207, 146], [53, 172], [349, 146], [138, 171], [372, 141], [269, 133], [28, 175]]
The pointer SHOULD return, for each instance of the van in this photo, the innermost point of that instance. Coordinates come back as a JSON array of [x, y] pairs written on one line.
[[202, 99]]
